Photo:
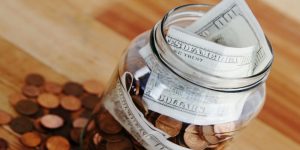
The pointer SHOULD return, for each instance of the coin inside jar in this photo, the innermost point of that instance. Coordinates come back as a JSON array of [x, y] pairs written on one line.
[[57, 143], [5, 118], [140, 104], [108, 124], [192, 129], [75, 134], [225, 127], [52, 121], [169, 125], [194, 141], [80, 122], [27, 107], [31, 139], [48, 100], [124, 144]]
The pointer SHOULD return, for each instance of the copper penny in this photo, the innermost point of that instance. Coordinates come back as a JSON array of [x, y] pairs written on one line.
[[21, 125], [31, 139], [211, 139], [27, 107], [194, 141], [48, 100], [38, 126], [140, 104], [108, 124], [97, 138], [3, 144], [169, 125], [225, 127], [75, 134], [52, 121], [80, 122], [73, 88], [15, 98], [125, 144], [52, 87], [70, 103], [34, 79], [192, 129], [5, 118], [31, 91], [208, 130], [57, 143], [90, 101], [93, 87]]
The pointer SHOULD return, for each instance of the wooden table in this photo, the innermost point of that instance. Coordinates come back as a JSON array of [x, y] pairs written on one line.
[[80, 39]]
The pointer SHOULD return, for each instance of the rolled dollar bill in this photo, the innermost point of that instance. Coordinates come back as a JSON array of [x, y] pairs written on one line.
[[232, 23]]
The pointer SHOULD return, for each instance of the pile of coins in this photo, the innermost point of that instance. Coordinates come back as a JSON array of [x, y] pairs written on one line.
[[51, 116]]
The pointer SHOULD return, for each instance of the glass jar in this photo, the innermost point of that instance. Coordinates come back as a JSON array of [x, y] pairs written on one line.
[[157, 101]]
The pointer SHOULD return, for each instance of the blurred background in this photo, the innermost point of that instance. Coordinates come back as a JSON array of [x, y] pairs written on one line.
[[83, 39]]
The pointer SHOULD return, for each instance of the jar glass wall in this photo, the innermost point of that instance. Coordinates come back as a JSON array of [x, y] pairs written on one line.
[[154, 105]]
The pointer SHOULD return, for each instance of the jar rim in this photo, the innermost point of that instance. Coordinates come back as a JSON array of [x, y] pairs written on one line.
[[160, 26]]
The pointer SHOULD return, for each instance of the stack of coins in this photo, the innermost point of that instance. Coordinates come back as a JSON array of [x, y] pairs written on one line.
[[51, 116]]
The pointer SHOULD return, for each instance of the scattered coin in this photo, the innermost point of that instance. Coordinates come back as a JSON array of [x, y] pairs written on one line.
[[5, 118], [93, 86], [80, 122], [21, 125], [194, 141], [57, 143], [168, 125], [125, 144], [15, 98], [48, 100], [73, 88], [90, 101], [3, 144], [31, 139], [27, 107], [31, 91], [70, 103], [34, 79], [52, 87], [52, 121]]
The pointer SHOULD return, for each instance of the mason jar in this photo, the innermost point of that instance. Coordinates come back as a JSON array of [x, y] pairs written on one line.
[[158, 101]]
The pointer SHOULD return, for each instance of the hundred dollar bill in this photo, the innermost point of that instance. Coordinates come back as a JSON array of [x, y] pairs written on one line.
[[173, 96], [231, 23], [210, 57], [120, 105]]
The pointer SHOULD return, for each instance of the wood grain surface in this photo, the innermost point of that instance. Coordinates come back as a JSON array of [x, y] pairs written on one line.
[[83, 39]]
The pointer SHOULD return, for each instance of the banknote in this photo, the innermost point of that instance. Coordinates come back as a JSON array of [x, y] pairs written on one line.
[[211, 57], [231, 23], [170, 95]]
